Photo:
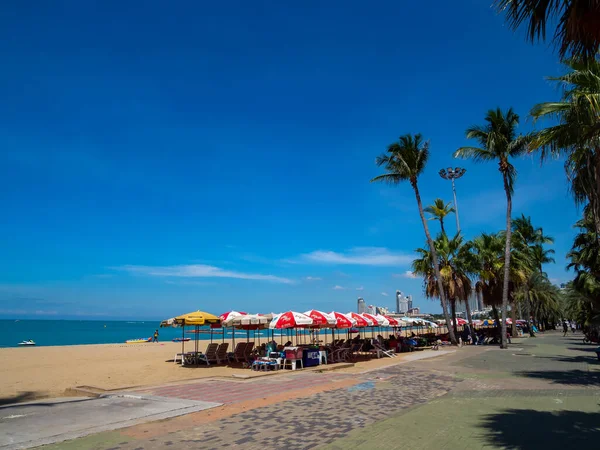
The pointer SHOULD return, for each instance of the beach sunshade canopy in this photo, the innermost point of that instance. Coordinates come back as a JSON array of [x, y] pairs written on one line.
[[391, 321], [341, 320], [489, 323], [197, 318], [373, 320], [228, 317], [290, 319], [253, 321], [320, 319], [383, 321], [460, 322], [359, 321]]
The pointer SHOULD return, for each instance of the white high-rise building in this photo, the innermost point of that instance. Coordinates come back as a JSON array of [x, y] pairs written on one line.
[[402, 303]]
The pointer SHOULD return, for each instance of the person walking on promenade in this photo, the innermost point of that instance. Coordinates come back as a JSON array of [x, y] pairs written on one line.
[[565, 328], [573, 326]]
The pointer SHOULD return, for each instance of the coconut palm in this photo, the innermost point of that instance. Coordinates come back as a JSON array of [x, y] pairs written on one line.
[[577, 134], [455, 262], [439, 210], [544, 298], [499, 142], [405, 160], [577, 31]]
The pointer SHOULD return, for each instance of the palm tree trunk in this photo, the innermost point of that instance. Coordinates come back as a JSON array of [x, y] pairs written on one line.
[[442, 225], [528, 313], [513, 316], [468, 309], [436, 266], [503, 343], [453, 308]]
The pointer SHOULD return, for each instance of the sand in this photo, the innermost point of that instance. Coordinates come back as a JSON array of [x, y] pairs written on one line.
[[50, 371]]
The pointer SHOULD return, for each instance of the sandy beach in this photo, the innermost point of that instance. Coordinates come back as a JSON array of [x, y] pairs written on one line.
[[50, 371]]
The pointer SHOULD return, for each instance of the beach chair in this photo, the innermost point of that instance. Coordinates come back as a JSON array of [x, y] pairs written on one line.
[[248, 351], [379, 350], [210, 355], [238, 352], [222, 353]]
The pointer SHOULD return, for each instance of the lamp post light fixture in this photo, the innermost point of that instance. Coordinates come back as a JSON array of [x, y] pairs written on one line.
[[453, 174]]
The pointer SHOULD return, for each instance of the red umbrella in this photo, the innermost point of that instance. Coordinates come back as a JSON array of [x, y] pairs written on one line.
[[460, 322], [393, 322], [320, 319], [291, 319], [374, 322], [341, 320], [360, 321]]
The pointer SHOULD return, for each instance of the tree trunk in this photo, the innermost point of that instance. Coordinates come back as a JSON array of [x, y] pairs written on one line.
[[453, 308], [503, 342], [442, 226], [596, 197], [496, 317], [468, 309], [436, 266], [513, 316], [528, 317]]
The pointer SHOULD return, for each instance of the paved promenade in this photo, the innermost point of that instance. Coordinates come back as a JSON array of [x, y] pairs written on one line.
[[543, 392]]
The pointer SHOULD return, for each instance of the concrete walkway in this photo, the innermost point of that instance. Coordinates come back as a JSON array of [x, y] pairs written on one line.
[[542, 392]]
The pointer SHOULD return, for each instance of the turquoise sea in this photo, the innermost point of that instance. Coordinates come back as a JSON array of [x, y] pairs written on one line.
[[74, 332]]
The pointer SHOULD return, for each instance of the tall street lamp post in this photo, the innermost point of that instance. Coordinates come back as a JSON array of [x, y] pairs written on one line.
[[453, 174]]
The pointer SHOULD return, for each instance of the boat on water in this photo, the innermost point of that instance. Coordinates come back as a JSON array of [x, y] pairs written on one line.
[[28, 342], [139, 341], [181, 339]]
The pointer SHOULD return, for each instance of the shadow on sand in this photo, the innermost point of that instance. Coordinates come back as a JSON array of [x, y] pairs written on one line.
[[526, 429]]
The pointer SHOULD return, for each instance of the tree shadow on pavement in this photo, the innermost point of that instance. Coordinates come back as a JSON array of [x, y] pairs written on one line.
[[584, 349], [568, 377], [526, 429]]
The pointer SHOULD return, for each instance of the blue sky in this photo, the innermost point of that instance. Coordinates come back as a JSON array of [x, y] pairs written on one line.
[[218, 155]]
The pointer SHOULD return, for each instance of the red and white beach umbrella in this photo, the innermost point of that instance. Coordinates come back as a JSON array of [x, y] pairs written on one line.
[[359, 321], [290, 319], [383, 321], [341, 320], [321, 319], [371, 319], [228, 317], [460, 322], [393, 322]]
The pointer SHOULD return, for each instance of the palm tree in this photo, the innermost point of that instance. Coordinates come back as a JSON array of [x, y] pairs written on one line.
[[577, 134], [405, 160], [456, 264], [499, 142], [543, 296], [439, 210], [577, 30]]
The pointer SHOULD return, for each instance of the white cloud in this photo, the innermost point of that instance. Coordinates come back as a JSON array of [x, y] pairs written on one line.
[[407, 274], [360, 288], [385, 294], [363, 256], [337, 287], [198, 271], [312, 278]]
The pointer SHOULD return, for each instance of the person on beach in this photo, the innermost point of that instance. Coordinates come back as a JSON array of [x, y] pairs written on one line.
[[155, 336], [573, 326], [565, 328]]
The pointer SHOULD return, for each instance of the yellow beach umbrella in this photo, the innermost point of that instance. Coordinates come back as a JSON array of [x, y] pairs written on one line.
[[197, 318]]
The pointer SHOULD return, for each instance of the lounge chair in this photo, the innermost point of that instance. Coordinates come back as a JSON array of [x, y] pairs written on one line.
[[248, 351], [239, 352], [222, 353], [210, 355], [382, 351]]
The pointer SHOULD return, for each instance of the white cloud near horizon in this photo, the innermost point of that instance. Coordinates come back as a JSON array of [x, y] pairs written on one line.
[[198, 271], [313, 278], [360, 288], [385, 294], [407, 274], [362, 256], [337, 287]]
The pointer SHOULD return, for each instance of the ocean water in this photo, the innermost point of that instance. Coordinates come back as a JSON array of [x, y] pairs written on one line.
[[74, 332]]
